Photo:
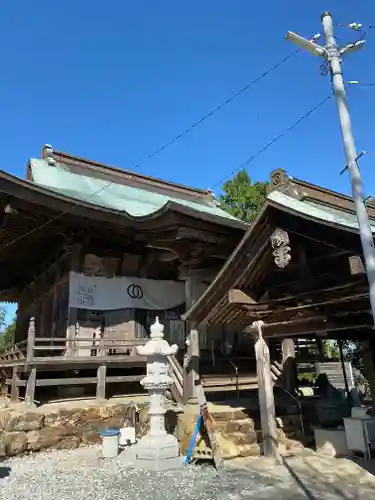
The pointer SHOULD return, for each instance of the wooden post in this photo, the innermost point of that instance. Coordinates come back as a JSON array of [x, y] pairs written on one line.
[[289, 364], [14, 392], [265, 393], [30, 340], [368, 357], [343, 367], [75, 266], [319, 345], [191, 379], [191, 367], [30, 388], [53, 325], [101, 374]]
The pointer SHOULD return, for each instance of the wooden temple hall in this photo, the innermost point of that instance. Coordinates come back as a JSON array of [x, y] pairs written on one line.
[[92, 254]]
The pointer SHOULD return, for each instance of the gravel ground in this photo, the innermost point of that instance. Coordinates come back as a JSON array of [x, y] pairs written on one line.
[[82, 474]]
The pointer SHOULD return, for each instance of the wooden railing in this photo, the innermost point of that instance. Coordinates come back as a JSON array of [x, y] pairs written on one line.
[[277, 373], [82, 347], [14, 351], [177, 374]]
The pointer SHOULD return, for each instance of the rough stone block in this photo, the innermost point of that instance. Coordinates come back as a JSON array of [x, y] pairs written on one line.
[[48, 437], [90, 436], [246, 426], [3, 452], [4, 417], [15, 443], [68, 443], [29, 421], [232, 426], [240, 438]]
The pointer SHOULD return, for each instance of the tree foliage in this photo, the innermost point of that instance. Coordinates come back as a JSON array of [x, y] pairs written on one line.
[[7, 332], [243, 198]]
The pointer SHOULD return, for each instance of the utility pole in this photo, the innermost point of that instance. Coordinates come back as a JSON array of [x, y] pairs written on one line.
[[333, 54]]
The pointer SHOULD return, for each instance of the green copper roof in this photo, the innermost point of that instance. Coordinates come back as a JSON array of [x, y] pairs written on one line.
[[317, 211], [136, 202]]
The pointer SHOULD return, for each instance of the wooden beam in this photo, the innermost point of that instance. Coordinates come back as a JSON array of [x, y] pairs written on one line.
[[314, 324], [236, 296], [288, 350], [356, 265], [266, 397], [87, 380]]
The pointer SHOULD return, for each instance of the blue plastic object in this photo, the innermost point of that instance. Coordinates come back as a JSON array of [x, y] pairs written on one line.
[[110, 432], [192, 441]]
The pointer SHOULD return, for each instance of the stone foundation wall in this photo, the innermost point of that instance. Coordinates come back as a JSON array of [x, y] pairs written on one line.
[[24, 430]]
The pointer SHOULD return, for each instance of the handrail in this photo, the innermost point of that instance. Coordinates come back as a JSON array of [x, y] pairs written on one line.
[[176, 375], [177, 368], [235, 371], [278, 374], [299, 406]]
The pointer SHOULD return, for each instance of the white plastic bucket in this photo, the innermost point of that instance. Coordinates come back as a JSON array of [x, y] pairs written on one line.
[[127, 436], [110, 443]]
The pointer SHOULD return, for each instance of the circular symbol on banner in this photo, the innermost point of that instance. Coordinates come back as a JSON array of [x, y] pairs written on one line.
[[135, 291]]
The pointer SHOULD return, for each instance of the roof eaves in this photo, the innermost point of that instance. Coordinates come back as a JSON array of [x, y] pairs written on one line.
[[213, 292], [62, 157]]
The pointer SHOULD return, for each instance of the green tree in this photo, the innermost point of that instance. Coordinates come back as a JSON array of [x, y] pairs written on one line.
[[2, 319], [243, 198], [7, 332]]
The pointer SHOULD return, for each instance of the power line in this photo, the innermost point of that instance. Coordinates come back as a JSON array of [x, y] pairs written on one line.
[[217, 108], [360, 84], [162, 148], [276, 139], [355, 26], [249, 160]]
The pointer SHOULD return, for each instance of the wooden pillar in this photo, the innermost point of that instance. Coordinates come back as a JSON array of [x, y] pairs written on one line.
[[14, 392], [289, 364], [368, 357], [75, 266], [52, 324], [101, 374], [30, 388], [191, 378], [30, 340], [265, 393], [319, 345]]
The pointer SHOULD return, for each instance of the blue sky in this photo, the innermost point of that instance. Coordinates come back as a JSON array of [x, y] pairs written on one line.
[[113, 81]]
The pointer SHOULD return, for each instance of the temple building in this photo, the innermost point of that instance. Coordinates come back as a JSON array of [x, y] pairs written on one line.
[[92, 254]]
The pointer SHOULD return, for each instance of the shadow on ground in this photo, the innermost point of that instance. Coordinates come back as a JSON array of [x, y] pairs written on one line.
[[4, 471], [315, 477]]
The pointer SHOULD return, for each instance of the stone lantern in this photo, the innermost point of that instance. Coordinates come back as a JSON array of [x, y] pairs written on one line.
[[157, 450]]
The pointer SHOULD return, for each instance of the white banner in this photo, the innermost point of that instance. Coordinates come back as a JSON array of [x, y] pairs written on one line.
[[103, 294]]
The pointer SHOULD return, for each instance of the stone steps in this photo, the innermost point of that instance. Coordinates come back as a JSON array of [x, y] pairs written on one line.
[[236, 433]]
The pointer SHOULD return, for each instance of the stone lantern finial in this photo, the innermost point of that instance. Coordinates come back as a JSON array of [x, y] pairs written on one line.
[[157, 329]]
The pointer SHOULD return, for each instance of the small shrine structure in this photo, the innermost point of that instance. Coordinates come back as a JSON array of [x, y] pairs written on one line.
[[296, 274]]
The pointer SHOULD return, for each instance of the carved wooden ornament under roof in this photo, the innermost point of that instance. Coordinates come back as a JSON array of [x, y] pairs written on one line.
[[281, 249]]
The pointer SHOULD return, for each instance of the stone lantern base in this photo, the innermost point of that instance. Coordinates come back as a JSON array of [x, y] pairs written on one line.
[[158, 453]]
